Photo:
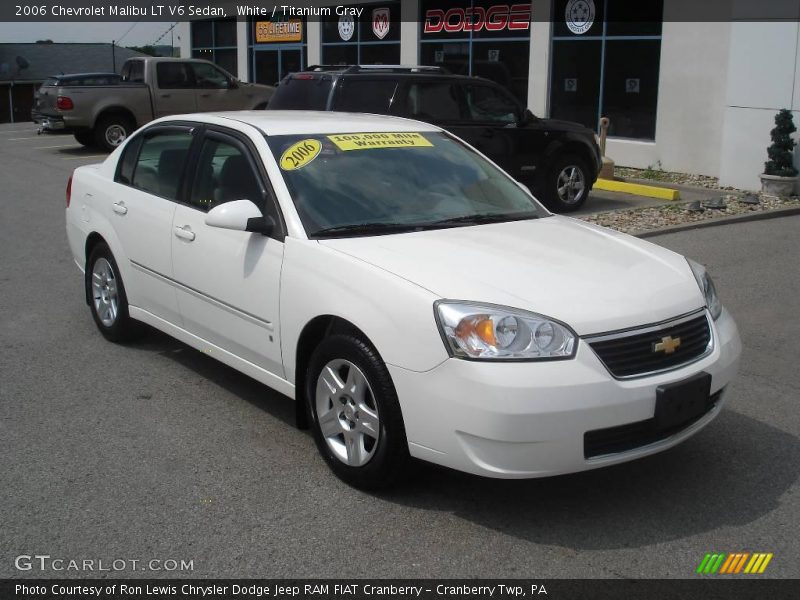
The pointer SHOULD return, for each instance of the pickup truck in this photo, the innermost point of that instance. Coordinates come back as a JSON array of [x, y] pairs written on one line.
[[149, 88]]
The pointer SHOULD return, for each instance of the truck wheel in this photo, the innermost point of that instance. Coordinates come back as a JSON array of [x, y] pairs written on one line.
[[355, 413], [84, 138], [568, 183], [110, 131]]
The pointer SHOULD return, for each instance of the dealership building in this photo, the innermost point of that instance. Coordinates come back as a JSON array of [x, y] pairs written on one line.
[[694, 96]]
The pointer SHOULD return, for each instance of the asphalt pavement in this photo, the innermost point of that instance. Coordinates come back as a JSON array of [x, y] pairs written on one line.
[[154, 451]]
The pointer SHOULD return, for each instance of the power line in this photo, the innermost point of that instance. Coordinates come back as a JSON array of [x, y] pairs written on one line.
[[129, 30], [171, 27]]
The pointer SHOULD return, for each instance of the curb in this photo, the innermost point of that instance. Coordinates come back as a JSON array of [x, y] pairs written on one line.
[[685, 187], [637, 189], [754, 216]]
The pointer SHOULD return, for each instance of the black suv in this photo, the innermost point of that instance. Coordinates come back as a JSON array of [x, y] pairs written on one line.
[[558, 160]]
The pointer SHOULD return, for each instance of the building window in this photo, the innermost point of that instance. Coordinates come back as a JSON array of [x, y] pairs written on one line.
[[215, 40], [483, 38], [372, 39], [276, 48], [605, 63]]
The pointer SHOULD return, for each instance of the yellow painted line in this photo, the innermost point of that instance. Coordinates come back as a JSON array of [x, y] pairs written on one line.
[[83, 157], [639, 189]]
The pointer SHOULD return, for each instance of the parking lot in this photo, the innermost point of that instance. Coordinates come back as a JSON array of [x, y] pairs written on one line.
[[156, 451]]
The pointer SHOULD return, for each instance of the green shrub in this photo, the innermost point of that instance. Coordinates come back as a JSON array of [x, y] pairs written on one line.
[[780, 153]]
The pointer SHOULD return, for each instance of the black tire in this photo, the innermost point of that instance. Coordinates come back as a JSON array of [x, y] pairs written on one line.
[[85, 137], [389, 454], [123, 328], [567, 200], [111, 130]]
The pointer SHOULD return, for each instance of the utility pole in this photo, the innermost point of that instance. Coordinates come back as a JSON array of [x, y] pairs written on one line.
[[113, 57]]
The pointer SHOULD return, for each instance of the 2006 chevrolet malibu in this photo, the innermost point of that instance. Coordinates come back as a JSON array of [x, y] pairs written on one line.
[[413, 298]]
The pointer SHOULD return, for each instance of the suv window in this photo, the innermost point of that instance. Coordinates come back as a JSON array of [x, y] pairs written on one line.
[[174, 75], [209, 77], [302, 93], [487, 103], [364, 95], [434, 101], [160, 164], [223, 174], [133, 71]]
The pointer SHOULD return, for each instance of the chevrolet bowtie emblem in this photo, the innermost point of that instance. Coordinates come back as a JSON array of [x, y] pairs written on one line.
[[667, 345]]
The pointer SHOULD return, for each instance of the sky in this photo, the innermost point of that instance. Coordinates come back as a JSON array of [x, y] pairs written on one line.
[[141, 34]]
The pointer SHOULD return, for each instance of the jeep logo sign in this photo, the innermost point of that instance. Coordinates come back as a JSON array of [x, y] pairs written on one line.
[[516, 17]]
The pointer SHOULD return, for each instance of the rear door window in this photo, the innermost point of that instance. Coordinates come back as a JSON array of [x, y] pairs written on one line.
[[161, 163], [174, 75], [434, 101], [302, 93], [365, 95]]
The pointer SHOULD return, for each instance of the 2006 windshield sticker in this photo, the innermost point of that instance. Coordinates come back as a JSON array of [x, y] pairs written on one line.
[[299, 154], [366, 141]]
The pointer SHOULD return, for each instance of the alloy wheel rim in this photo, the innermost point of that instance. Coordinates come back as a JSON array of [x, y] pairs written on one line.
[[347, 412], [571, 184], [115, 135], [104, 292]]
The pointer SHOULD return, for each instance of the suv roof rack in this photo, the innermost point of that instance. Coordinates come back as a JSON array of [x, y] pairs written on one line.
[[381, 68]]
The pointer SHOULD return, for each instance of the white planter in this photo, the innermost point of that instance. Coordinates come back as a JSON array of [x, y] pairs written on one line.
[[773, 185]]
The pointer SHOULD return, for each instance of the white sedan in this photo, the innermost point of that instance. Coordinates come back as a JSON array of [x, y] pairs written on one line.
[[413, 298]]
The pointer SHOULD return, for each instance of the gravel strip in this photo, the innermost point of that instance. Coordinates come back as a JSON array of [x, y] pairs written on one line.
[[678, 213], [655, 174]]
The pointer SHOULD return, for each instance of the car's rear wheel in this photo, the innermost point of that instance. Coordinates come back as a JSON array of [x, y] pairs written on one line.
[[107, 298], [356, 418], [568, 184], [111, 130], [85, 138]]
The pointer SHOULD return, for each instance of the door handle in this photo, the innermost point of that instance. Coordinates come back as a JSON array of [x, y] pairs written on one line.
[[166, 96], [205, 95], [119, 208], [488, 133], [185, 233]]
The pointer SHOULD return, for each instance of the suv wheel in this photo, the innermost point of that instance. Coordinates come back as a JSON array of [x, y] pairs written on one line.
[[355, 414], [568, 184]]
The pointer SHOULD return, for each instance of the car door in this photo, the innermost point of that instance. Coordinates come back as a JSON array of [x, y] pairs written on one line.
[[147, 183], [216, 91], [493, 124], [175, 91], [228, 281]]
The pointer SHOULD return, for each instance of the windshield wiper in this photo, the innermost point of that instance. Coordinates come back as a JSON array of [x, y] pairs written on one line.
[[484, 218], [367, 229]]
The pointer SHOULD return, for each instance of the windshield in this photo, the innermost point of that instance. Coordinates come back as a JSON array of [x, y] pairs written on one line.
[[372, 183]]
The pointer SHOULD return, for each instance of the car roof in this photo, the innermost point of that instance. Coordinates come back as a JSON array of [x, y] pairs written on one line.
[[288, 122]]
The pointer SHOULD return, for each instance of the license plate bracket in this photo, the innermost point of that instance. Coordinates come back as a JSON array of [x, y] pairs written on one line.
[[682, 402]]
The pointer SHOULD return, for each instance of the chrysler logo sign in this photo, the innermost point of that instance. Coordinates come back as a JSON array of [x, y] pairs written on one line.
[[515, 17]]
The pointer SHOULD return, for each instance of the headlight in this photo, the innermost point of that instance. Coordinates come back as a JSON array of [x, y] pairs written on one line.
[[707, 287], [488, 332]]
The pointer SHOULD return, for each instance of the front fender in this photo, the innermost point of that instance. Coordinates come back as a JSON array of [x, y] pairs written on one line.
[[395, 314]]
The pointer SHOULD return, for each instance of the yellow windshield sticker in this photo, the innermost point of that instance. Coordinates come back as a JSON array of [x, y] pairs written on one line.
[[366, 141], [300, 154]]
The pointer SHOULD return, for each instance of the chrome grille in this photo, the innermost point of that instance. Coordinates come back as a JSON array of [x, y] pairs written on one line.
[[632, 353]]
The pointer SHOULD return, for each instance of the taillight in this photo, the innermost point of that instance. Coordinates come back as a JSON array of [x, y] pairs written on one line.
[[69, 190], [64, 103]]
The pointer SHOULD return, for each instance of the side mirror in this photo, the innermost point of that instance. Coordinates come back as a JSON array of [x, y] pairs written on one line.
[[528, 117], [240, 215], [233, 84]]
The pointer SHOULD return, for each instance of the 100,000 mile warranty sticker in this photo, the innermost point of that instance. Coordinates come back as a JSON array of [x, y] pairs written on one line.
[[366, 141]]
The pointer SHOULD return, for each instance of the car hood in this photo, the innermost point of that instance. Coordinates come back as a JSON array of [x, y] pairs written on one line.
[[592, 278]]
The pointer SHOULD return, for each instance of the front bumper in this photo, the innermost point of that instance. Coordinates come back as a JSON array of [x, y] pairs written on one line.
[[529, 419]]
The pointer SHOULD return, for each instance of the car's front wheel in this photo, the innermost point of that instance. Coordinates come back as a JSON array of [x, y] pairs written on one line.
[[568, 184], [356, 418], [107, 298]]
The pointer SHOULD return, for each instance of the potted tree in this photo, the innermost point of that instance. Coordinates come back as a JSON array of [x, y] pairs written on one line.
[[780, 175]]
